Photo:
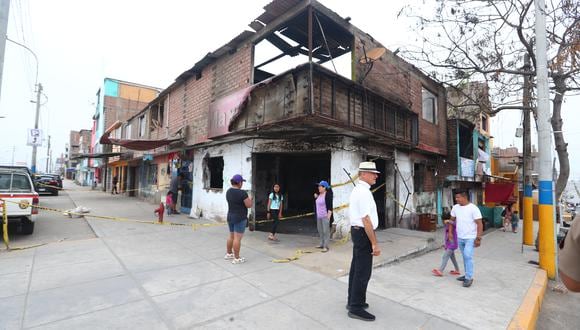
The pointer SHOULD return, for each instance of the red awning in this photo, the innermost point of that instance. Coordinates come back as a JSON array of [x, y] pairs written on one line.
[[140, 145], [499, 192]]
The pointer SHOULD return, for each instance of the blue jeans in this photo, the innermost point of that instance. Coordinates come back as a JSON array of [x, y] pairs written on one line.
[[238, 227], [466, 248]]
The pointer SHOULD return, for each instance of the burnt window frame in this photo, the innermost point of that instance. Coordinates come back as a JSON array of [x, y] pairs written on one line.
[[215, 176]]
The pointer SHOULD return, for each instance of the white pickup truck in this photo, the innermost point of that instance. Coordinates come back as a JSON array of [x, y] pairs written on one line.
[[17, 190]]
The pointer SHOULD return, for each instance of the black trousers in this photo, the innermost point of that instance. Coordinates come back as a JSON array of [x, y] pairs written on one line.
[[360, 268], [274, 215]]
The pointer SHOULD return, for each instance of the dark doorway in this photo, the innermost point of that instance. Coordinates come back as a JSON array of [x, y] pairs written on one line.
[[380, 193], [298, 175], [186, 192], [132, 180]]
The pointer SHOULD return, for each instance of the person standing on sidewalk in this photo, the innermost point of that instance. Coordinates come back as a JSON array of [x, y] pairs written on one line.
[[275, 201], [364, 220], [115, 181], [238, 204], [174, 187], [323, 209], [469, 230]]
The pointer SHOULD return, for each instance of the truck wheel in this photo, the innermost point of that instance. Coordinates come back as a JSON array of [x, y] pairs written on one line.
[[55, 193], [27, 227]]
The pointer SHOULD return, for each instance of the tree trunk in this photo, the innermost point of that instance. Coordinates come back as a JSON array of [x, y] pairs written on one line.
[[561, 145]]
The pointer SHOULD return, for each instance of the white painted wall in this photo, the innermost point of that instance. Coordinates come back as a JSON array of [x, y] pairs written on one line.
[[211, 203], [405, 165], [349, 160]]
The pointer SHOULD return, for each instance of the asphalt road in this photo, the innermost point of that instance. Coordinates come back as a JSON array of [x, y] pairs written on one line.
[[559, 310], [52, 226]]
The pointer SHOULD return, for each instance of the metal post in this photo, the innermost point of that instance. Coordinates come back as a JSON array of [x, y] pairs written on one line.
[[546, 186], [4, 11], [528, 228], [310, 66], [48, 156], [38, 92]]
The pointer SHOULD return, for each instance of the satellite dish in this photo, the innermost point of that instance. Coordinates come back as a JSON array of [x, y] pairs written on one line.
[[373, 55]]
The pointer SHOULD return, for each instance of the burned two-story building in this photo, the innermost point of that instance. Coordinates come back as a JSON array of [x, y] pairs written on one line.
[[303, 97]]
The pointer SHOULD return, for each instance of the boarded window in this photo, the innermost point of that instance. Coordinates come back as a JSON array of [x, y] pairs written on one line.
[[429, 112]]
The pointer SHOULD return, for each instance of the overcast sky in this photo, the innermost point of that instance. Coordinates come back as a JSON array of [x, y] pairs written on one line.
[[78, 43]]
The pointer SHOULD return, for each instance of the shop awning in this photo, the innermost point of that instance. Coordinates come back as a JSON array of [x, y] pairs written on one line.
[[499, 192], [141, 145], [100, 155]]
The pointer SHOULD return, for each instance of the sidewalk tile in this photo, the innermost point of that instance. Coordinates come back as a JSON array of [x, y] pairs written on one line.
[[271, 315], [11, 312], [200, 304], [168, 280], [137, 315], [13, 284], [65, 275], [282, 279], [62, 303]]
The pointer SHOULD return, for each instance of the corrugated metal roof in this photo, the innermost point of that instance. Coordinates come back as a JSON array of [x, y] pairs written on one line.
[[272, 11]]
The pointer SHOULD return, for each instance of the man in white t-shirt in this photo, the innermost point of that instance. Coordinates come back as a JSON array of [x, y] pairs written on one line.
[[363, 220], [469, 230]]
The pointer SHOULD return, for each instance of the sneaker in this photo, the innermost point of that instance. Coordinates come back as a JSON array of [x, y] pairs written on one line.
[[364, 306], [319, 247], [436, 272], [229, 256], [324, 250], [361, 315], [239, 260], [467, 283], [454, 272], [461, 278]]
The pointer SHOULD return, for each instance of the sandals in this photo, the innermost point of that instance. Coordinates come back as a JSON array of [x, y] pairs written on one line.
[[455, 272], [437, 272], [239, 260]]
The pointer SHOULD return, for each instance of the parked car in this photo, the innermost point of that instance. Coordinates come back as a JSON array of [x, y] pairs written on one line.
[[44, 183], [17, 190], [58, 179]]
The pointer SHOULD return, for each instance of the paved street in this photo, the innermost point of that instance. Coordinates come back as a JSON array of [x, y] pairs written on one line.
[[146, 276], [50, 227]]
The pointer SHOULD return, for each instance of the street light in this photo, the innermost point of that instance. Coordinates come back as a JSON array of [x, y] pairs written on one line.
[[38, 87]]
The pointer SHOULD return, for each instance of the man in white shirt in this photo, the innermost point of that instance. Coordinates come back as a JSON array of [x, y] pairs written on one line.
[[469, 231], [363, 220]]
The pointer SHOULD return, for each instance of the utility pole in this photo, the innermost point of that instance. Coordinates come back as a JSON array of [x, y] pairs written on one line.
[[546, 185], [4, 11], [528, 228], [38, 92], [48, 155]]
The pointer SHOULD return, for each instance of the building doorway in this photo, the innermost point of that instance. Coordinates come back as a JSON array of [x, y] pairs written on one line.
[[298, 175]]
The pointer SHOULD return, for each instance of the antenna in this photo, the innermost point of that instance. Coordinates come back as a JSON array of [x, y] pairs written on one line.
[[370, 58]]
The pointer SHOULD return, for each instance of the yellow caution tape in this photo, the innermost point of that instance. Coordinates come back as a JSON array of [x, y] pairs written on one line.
[[5, 225]]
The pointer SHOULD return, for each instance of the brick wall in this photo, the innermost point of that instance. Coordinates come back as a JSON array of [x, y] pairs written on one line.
[[399, 80], [116, 108], [450, 165], [187, 104]]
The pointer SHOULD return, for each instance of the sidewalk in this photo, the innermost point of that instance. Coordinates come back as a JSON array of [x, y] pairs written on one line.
[[156, 277]]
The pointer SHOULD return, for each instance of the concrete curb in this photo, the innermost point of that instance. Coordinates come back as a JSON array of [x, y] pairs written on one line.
[[527, 315]]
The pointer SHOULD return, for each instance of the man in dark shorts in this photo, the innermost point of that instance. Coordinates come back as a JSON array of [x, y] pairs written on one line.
[[238, 204]]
